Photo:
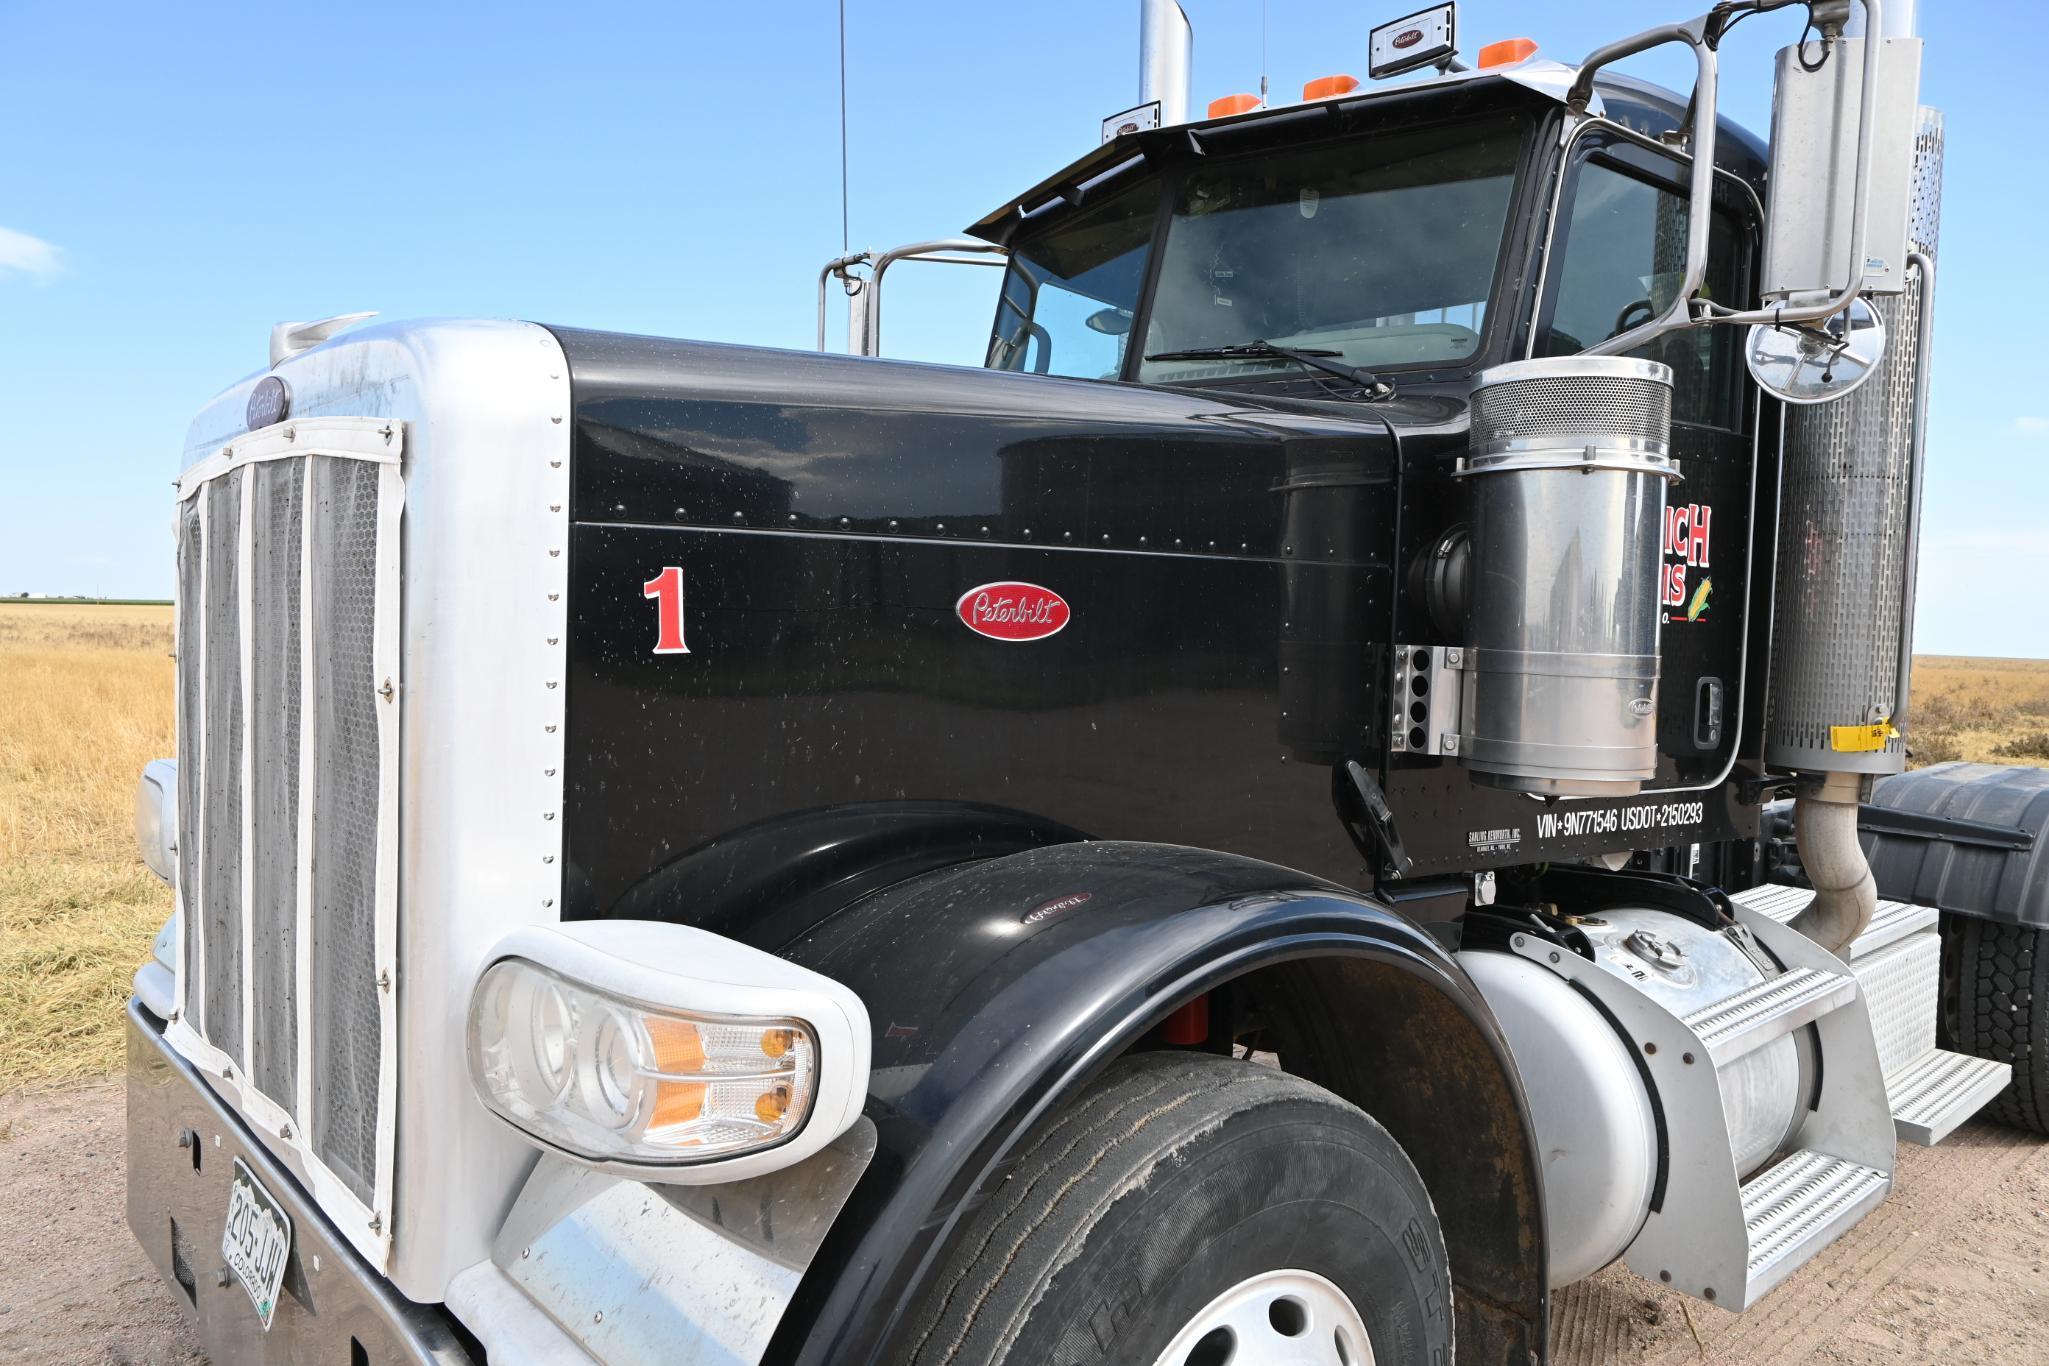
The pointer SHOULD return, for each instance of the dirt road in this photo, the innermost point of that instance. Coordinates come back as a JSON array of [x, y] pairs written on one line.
[[1954, 1268]]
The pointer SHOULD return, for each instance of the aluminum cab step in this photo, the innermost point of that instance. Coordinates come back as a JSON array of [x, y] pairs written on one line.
[[1897, 962], [1930, 1098], [1890, 922], [1770, 1010], [1797, 1207]]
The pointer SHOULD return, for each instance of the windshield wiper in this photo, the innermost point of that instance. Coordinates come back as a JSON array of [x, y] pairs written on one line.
[[1313, 357]]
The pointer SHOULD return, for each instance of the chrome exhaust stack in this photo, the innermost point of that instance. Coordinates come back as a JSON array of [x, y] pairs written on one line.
[[1166, 52], [1843, 608]]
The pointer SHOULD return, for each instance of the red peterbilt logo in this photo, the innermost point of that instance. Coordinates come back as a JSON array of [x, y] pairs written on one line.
[[1013, 611], [1408, 37]]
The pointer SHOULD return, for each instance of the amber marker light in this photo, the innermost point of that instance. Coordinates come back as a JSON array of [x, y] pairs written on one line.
[[1233, 104], [1323, 87], [1507, 52]]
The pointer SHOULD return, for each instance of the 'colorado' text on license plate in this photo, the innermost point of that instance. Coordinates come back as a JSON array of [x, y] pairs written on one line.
[[256, 1241]]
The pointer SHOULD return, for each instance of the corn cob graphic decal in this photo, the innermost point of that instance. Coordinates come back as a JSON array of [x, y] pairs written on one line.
[[1700, 600]]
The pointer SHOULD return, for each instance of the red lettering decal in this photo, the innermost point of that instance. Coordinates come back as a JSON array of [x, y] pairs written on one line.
[[666, 588], [1697, 544], [1012, 611]]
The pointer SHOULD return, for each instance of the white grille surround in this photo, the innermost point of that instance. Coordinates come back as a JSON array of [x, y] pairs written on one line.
[[288, 679], [485, 413]]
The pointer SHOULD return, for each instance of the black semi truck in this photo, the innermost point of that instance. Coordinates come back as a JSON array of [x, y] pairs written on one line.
[[1324, 793]]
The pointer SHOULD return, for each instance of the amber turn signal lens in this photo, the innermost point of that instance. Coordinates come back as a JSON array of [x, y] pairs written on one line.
[[1233, 104], [1323, 87], [771, 1106], [678, 1047], [677, 1102], [1507, 52]]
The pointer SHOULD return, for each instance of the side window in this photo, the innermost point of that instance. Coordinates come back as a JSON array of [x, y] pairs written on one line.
[[1069, 295], [1617, 259]]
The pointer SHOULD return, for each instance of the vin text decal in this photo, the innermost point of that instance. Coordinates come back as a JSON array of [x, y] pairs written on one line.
[[1576, 821]]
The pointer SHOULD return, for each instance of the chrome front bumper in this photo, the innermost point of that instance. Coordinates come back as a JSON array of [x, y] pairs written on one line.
[[182, 1143]]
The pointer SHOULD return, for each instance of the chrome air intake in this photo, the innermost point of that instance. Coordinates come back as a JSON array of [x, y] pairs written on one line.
[[1568, 463]]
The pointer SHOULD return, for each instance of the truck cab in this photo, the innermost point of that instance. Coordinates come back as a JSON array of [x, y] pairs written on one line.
[[1232, 829]]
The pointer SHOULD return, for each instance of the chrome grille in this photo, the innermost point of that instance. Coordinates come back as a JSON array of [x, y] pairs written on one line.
[[220, 768], [275, 547], [346, 818], [287, 585]]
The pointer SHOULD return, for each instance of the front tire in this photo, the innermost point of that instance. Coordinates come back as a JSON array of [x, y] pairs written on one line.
[[1213, 1206], [2001, 980]]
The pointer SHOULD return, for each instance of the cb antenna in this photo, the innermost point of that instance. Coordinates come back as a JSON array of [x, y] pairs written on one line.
[[844, 235]]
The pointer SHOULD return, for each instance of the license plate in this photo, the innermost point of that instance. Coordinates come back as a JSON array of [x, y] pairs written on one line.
[[257, 1241]]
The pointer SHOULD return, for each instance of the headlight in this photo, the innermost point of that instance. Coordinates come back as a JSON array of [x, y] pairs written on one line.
[[156, 818], [634, 1045]]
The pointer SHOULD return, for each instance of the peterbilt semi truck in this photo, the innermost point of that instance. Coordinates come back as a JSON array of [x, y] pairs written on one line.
[[1328, 791]]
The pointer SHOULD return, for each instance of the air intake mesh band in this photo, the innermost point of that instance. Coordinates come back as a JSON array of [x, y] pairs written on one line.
[[1600, 408]]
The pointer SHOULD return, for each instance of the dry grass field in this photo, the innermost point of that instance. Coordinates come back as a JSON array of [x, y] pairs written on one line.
[[87, 703], [1992, 711]]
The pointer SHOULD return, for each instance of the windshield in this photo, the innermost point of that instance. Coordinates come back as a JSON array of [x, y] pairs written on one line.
[[1068, 297], [1380, 251]]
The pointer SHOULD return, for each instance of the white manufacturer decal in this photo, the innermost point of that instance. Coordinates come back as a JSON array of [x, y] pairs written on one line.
[[1496, 841]]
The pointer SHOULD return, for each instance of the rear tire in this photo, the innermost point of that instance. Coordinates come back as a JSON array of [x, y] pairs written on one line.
[[1180, 1189], [2001, 976]]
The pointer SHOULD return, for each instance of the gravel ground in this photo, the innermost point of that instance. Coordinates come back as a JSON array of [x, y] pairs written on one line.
[[1954, 1268]]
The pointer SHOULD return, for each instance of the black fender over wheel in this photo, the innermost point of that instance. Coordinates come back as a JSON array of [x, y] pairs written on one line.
[[1186, 1190]]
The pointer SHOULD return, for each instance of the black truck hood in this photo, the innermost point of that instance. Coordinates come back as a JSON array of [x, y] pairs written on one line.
[[680, 432]]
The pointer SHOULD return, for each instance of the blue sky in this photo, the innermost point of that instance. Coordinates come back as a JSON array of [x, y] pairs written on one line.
[[178, 178]]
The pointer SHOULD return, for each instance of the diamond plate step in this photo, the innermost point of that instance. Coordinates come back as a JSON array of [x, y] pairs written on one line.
[[1798, 1207], [1931, 1097], [1891, 922], [1752, 1018]]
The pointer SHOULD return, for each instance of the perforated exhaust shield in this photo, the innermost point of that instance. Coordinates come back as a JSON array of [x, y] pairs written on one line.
[[1568, 465], [1840, 608]]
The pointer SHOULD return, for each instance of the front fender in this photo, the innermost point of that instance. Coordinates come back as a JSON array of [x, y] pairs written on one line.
[[999, 989]]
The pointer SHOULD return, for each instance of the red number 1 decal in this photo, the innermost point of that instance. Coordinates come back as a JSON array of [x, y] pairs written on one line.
[[666, 588]]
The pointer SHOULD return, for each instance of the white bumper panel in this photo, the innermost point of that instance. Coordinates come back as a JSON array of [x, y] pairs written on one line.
[[592, 1266]]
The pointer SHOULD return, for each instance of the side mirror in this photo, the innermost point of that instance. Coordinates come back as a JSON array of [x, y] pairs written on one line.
[[1817, 362], [1111, 322]]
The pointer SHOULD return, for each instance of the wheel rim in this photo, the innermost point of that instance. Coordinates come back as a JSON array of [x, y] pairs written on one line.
[[1277, 1318]]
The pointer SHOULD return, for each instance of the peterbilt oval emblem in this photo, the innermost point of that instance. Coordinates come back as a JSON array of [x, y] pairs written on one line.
[[1047, 909], [1642, 706], [269, 402], [1012, 611], [1408, 37]]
